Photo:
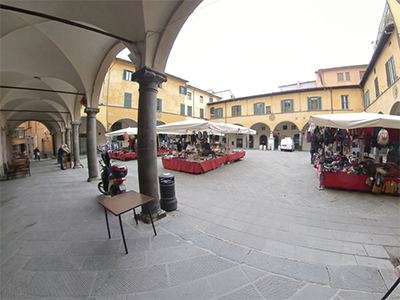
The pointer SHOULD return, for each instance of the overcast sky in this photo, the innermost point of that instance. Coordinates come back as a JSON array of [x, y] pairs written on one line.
[[253, 46]]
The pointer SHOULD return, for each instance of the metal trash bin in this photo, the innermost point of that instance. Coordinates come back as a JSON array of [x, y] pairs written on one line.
[[168, 201]]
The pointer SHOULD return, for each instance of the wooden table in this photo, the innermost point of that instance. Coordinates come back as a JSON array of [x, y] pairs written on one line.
[[122, 203]]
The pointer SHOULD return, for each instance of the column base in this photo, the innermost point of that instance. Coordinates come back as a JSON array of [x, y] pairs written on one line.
[[90, 179], [146, 218], [78, 166]]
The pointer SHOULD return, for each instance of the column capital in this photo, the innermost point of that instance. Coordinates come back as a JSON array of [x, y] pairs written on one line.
[[149, 77], [78, 123], [68, 128], [91, 110]]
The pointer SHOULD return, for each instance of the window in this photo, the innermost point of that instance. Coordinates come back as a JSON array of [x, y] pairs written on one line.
[[340, 77], [160, 86], [391, 76], [128, 100], [159, 104], [366, 99], [268, 110], [201, 113], [189, 96], [347, 76], [182, 90], [182, 109], [201, 99], [314, 103], [189, 111], [362, 74], [236, 111], [219, 113], [287, 105], [212, 113], [128, 75], [259, 108], [284, 127], [211, 99], [345, 102], [376, 87], [294, 127]]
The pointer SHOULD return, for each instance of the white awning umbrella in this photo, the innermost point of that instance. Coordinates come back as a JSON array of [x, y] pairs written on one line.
[[196, 125], [128, 131], [355, 120]]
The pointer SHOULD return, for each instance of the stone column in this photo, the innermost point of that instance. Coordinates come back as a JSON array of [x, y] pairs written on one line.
[[91, 138], [148, 80], [271, 141], [75, 142], [62, 131], [68, 137]]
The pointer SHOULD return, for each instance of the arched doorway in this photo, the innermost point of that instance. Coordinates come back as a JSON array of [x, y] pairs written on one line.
[[263, 140], [251, 142]]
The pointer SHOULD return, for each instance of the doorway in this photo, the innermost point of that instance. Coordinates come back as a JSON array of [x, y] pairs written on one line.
[[239, 143]]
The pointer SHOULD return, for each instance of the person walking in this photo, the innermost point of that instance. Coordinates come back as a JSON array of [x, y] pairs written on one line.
[[37, 153], [61, 152]]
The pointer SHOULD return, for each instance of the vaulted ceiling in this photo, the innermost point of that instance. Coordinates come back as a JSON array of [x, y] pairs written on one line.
[[52, 53]]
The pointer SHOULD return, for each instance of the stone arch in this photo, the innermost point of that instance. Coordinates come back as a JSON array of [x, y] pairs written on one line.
[[123, 123], [395, 110], [262, 129], [287, 129]]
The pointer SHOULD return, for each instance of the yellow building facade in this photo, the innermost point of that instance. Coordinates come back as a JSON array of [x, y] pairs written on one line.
[[284, 114], [381, 86]]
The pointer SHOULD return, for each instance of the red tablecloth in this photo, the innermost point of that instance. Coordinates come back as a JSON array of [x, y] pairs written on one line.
[[200, 167], [350, 181], [125, 156]]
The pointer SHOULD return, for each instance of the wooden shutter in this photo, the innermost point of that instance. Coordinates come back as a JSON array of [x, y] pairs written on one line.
[[233, 111], [255, 108], [308, 103], [291, 105], [124, 75], [319, 103], [128, 100], [240, 110], [282, 106]]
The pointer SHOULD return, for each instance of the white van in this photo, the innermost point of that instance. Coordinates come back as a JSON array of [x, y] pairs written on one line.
[[287, 144]]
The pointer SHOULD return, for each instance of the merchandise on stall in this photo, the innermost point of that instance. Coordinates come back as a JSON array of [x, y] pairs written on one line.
[[366, 156]]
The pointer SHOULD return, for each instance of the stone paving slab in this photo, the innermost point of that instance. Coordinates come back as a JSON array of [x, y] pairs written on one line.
[[254, 229]]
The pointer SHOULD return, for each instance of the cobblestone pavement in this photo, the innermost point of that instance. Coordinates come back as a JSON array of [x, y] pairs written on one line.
[[258, 228]]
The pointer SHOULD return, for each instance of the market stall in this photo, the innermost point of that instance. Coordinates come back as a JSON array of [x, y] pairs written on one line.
[[199, 166], [197, 153], [375, 167]]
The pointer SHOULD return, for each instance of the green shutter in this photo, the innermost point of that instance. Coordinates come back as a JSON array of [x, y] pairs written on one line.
[[291, 105], [387, 73], [282, 106], [309, 103], [222, 112], [128, 100], [124, 75], [240, 110], [233, 111], [255, 108], [319, 103], [182, 109], [393, 68]]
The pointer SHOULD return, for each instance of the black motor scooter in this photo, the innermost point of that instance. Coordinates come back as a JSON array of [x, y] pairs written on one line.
[[112, 176]]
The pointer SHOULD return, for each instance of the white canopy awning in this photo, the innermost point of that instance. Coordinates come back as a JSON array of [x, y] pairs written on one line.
[[128, 131], [196, 125], [355, 120]]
